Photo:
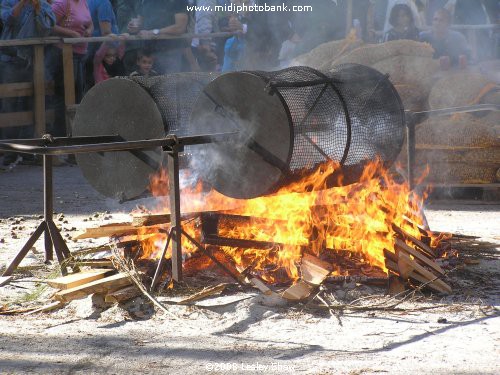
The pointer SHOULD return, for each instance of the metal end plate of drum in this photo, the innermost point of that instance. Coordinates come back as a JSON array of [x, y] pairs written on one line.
[[252, 165], [119, 107]]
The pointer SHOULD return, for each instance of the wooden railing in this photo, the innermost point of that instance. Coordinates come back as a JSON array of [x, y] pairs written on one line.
[[38, 88]]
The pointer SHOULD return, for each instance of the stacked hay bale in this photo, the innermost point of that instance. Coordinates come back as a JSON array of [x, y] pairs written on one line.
[[322, 56], [409, 65], [458, 149], [462, 148]]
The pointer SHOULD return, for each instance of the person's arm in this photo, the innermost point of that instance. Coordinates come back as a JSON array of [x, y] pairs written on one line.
[[178, 28], [205, 22], [105, 15], [100, 54]]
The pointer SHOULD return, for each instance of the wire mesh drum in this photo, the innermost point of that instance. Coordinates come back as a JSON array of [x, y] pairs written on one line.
[[134, 108], [292, 120]]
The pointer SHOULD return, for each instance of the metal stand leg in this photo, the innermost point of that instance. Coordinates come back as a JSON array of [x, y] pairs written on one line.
[[175, 211], [53, 238], [410, 140], [48, 206]]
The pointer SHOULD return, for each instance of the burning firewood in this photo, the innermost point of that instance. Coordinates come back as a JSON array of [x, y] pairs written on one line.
[[422, 246]]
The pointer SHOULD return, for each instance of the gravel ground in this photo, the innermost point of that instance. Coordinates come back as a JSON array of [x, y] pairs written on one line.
[[459, 335]]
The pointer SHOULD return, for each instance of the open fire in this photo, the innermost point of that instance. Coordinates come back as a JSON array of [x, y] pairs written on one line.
[[305, 216]]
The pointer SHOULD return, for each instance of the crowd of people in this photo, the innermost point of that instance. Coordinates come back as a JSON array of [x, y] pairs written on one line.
[[259, 40]]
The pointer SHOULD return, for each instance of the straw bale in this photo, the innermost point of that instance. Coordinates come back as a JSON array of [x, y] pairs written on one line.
[[323, 55], [458, 89], [463, 130], [410, 70], [465, 173], [370, 54]]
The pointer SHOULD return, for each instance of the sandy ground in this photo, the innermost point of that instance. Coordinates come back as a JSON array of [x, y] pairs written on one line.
[[459, 336]]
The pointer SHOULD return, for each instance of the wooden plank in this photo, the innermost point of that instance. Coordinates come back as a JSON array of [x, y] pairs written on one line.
[[20, 89], [410, 250], [314, 270], [298, 291], [102, 286], [437, 284], [143, 220], [39, 90], [13, 119], [108, 230], [122, 295], [76, 279], [415, 241]]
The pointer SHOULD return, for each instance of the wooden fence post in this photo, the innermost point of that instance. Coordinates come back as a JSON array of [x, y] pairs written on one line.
[[39, 90]]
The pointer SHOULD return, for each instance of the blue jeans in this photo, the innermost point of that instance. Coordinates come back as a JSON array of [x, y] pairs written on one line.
[[54, 72]]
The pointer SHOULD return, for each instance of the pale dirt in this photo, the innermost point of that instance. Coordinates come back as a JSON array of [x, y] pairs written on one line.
[[249, 335]]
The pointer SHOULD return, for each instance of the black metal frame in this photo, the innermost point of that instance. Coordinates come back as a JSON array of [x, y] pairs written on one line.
[[48, 147]]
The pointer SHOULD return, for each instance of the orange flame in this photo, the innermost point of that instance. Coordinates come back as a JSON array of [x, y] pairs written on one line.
[[306, 215]]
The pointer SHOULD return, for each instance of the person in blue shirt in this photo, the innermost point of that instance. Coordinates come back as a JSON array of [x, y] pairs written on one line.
[[103, 17]]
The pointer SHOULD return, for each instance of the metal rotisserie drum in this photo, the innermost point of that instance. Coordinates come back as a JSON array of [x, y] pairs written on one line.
[[292, 120], [134, 108]]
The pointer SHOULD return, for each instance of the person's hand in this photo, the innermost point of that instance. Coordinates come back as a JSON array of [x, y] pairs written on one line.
[[73, 34], [145, 33], [87, 32]]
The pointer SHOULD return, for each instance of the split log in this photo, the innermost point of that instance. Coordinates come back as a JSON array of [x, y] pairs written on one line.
[[102, 286], [401, 245], [298, 291], [122, 295], [80, 278], [430, 252], [314, 270]]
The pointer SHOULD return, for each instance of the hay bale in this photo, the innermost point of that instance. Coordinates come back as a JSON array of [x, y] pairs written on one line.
[[486, 157], [456, 131], [416, 71], [460, 173], [372, 53], [459, 89], [322, 56]]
